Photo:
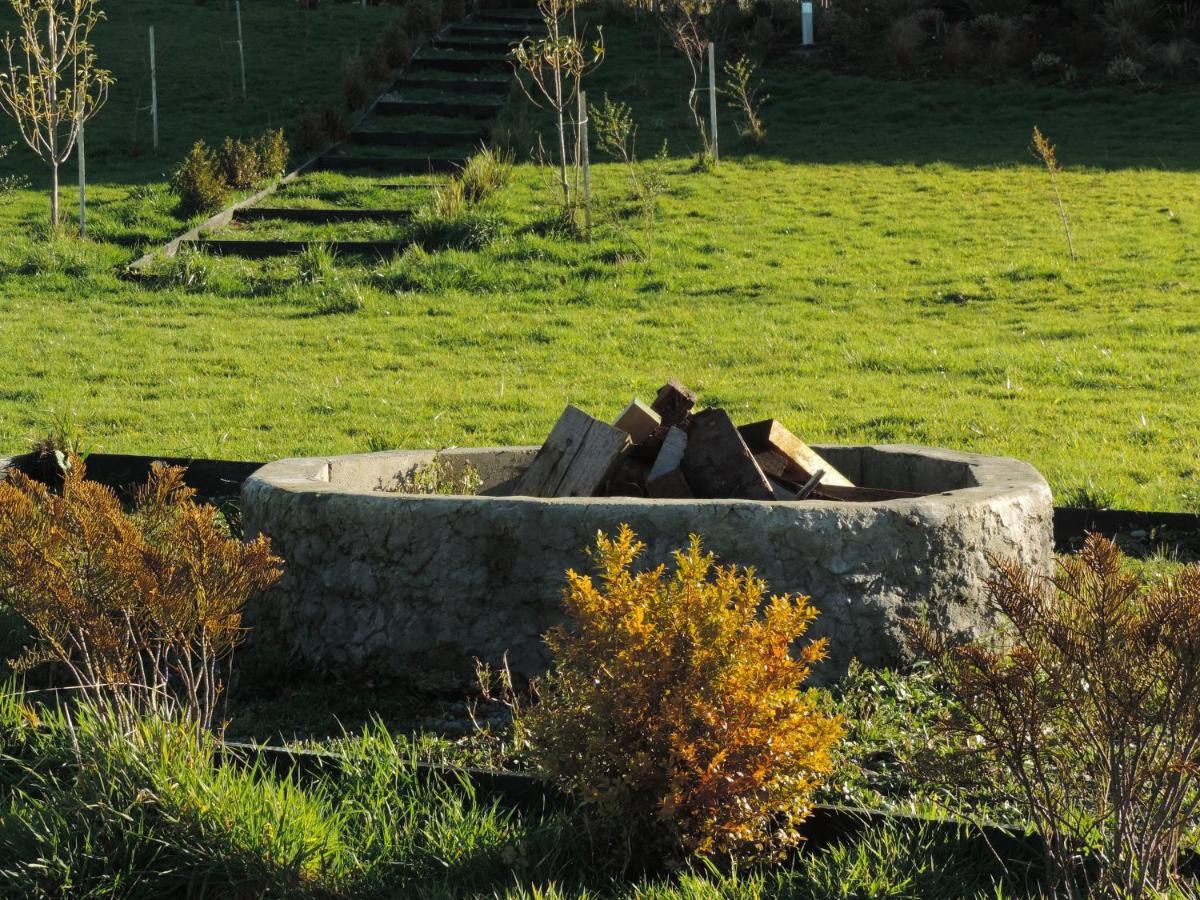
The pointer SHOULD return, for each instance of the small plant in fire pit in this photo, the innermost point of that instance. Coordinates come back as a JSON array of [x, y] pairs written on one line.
[[440, 476]]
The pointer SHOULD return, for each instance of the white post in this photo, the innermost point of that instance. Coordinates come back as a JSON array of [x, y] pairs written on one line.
[[82, 184], [712, 97], [806, 22], [241, 46], [585, 160], [153, 89]]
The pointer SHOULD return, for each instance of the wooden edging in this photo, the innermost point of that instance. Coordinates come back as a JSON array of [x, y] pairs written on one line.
[[209, 477], [1018, 849], [527, 792], [1071, 523]]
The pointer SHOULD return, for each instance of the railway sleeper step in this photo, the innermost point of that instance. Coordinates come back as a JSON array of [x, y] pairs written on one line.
[[504, 17], [264, 249], [417, 138], [320, 216], [495, 86], [460, 64], [394, 164], [479, 46], [437, 109], [471, 31]]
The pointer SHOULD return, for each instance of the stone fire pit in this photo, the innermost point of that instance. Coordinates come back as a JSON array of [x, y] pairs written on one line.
[[417, 586]]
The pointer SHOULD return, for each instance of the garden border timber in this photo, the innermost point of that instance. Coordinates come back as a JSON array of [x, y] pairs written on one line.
[[529, 793], [137, 268], [122, 471], [1011, 844]]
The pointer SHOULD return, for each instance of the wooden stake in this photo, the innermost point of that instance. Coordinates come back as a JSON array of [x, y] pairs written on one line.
[[712, 97], [82, 184], [585, 160], [153, 88], [806, 22], [241, 46]]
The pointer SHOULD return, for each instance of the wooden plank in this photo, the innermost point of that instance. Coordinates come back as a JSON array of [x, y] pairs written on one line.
[[482, 46], [674, 403], [417, 138], [800, 462], [717, 462], [494, 86], [638, 421], [461, 63], [512, 34], [629, 479], [666, 478], [577, 458], [782, 489], [398, 164], [321, 216], [264, 249], [450, 109]]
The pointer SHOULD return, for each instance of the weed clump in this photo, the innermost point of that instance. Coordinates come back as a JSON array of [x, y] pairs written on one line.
[[441, 476], [675, 710], [200, 182]]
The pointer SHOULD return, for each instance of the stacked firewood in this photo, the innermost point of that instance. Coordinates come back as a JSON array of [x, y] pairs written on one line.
[[670, 449]]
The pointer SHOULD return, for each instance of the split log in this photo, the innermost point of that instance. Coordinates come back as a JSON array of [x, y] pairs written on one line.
[[666, 479], [629, 479], [638, 421], [578, 457], [783, 455], [717, 462], [674, 403]]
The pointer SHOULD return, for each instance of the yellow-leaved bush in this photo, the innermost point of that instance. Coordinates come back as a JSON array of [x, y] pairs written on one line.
[[675, 706]]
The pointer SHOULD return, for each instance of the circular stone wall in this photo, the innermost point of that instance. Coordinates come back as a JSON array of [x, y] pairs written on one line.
[[417, 587]]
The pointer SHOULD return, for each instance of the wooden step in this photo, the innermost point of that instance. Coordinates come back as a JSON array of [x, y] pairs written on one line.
[[475, 45], [507, 17], [512, 34], [460, 64], [320, 216], [437, 108], [417, 138], [394, 164], [263, 249], [495, 86]]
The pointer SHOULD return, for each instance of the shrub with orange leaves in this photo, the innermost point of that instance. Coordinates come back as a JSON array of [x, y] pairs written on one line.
[[143, 608], [675, 705]]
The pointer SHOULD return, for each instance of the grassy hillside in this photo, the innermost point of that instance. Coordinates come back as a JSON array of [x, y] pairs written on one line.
[[890, 268]]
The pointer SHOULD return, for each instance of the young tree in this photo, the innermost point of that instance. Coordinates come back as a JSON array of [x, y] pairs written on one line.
[[687, 27], [57, 87], [556, 64]]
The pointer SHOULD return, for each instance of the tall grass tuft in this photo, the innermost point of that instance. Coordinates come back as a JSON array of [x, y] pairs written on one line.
[[97, 808]]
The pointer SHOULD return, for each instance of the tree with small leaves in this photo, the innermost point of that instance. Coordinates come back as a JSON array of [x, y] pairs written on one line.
[[51, 84], [687, 28], [556, 64]]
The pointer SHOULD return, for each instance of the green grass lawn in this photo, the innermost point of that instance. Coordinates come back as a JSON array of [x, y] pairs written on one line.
[[890, 268]]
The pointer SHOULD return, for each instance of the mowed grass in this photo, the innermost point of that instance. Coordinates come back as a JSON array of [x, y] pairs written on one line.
[[890, 268]]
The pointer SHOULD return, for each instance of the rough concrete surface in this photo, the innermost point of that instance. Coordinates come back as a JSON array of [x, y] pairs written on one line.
[[417, 587]]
